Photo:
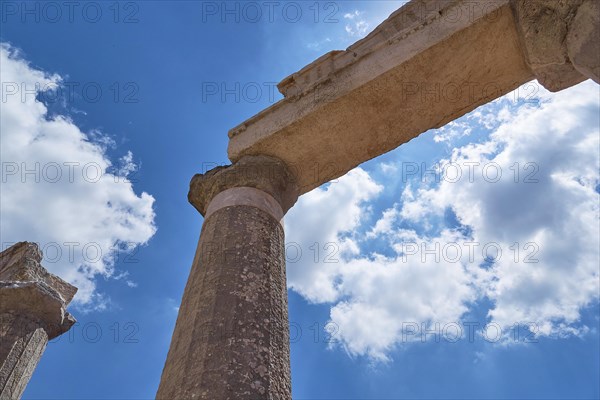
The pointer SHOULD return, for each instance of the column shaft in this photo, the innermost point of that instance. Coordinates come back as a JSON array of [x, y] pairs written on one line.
[[22, 343], [231, 339]]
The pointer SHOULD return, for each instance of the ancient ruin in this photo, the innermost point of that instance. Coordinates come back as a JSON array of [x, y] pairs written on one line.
[[32, 311], [429, 63]]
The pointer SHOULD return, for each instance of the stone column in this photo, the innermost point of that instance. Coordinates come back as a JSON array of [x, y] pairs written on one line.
[[231, 339], [32, 311]]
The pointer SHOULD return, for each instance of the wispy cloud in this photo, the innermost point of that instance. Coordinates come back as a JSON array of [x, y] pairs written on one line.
[[319, 45], [357, 25]]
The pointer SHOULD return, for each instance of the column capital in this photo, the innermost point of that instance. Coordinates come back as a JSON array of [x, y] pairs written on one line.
[[28, 290], [267, 174], [544, 26]]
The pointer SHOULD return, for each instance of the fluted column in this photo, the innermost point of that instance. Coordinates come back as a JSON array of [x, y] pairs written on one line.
[[231, 339], [32, 311]]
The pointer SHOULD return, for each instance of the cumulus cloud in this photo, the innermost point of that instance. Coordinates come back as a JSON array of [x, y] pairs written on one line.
[[514, 221], [372, 294], [314, 240], [544, 205], [60, 189]]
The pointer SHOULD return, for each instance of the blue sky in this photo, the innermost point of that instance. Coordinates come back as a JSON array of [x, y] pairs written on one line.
[[143, 93]]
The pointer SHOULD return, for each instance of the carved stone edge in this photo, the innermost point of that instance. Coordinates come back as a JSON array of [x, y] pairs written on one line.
[[28, 290], [36, 301], [268, 174], [543, 27], [408, 19], [583, 40], [22, 262]]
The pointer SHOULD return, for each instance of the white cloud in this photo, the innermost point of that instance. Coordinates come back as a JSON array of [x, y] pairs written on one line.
[[73, 202], [383, 295], [388, 168], [554, 220], [319, 44], [452, 131], [372, 295], [553, 208], [354, 14], [358, 26], [313, 239]]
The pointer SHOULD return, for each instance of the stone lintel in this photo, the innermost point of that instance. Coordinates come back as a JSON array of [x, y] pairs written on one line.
[[429, 63], [265, 174]]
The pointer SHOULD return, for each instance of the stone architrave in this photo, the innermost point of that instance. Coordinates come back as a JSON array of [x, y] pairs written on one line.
[[32, 311], [430, 62]]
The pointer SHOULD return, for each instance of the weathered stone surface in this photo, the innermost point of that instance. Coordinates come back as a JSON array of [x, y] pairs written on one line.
[[22, 343], [429, 63], [267, 174], [425, 66], [26, 288], [543, 27], [39, 300], [21, 262], [583, 43], [246, 196], [231, 340], [32, 310]]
